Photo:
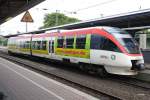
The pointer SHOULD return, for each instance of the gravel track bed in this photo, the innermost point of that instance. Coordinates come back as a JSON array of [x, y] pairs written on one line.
[[105, 85]]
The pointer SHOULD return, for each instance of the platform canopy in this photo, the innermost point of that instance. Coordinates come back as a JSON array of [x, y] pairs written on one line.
[[11, 8], [135, 20], [132, 21]]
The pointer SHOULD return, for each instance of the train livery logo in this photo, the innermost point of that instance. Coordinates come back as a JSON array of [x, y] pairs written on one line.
[[113, 57]]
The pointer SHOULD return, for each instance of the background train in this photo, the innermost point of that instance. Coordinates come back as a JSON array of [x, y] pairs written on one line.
[[99, 49]]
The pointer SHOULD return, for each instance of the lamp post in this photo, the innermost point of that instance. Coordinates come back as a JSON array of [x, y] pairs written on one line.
[[56, 21]]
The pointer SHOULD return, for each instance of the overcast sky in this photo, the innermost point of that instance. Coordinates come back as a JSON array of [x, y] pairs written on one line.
[[85, 10]]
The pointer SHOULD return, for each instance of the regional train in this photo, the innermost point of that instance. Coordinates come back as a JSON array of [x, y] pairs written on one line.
[[99, 49]]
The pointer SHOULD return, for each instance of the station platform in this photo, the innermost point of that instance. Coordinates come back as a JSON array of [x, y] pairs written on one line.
[[19, 83]]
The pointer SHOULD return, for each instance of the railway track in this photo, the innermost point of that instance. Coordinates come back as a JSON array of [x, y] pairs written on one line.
[[132, 81], [94, 88]]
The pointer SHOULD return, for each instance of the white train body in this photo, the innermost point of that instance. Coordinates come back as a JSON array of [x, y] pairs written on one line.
[[109, 47]]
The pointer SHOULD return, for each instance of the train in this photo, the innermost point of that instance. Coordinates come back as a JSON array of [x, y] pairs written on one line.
[[101, 49]]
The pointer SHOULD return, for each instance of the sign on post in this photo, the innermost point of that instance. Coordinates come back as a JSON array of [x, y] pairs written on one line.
[[27, 17]]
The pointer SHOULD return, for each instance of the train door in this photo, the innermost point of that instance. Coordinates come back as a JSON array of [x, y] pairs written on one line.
[[51, 46]]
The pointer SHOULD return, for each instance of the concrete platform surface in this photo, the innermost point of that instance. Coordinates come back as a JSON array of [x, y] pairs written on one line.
[[18, 83]]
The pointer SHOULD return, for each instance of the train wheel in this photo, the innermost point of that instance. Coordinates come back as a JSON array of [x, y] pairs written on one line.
[[102, 72], [9, 52], [83, 67]]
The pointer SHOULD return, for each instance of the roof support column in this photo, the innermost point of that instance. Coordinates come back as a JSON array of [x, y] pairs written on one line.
[[143, 38]]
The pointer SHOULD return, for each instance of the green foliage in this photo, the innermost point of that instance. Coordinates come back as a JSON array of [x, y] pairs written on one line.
[[55, 19]]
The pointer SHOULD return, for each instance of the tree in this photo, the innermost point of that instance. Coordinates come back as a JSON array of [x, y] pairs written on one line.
[[55, 19]]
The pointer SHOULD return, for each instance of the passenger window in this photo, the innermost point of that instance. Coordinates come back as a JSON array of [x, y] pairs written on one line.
[[33, 44], [38, 45], [27, 44], [21, 46], [110, 46], [43, 47], [60, 41], [97, 41], [69, 41], [24, 45], [80, 42], [53, 46]]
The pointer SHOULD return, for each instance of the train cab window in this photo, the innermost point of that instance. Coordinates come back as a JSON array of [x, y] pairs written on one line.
[[80, 41], [60, 42], [43, 45], [97, 41], [110, 46], [69, 41]]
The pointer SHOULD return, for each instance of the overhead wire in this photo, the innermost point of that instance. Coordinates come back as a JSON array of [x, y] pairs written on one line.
[[95, 5]]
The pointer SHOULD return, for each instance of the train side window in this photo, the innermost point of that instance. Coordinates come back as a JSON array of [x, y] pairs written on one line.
[[52, 46], [69, 41], [60, 42], [43, 47], [80, 41], [33, 44], [97, 41], [110, 46], [27, 44], [24, 45], [20, 44], [38, 45]]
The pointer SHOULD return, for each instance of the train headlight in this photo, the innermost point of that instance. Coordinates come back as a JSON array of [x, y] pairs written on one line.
[[141, 66]]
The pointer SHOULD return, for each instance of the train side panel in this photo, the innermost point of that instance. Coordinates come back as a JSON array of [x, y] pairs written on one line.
[[24, 45], [116, 63], [12, 44]]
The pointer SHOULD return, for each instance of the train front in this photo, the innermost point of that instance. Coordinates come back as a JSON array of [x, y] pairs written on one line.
[[129, 48]]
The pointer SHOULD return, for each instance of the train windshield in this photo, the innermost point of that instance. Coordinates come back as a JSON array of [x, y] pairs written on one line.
[[125, 39], [130, 45], [114, 30]]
